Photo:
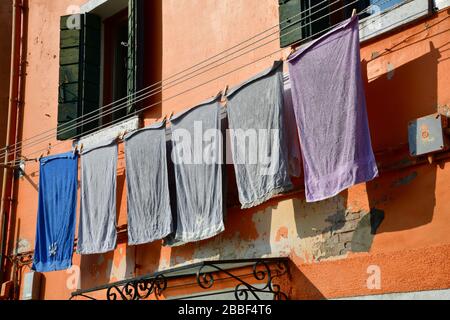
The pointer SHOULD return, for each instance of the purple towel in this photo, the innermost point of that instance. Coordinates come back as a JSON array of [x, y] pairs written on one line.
[[330, 110]]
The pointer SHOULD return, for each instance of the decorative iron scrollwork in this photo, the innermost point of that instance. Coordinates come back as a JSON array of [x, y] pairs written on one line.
[[244, 290], [265, 272], [138, 289]]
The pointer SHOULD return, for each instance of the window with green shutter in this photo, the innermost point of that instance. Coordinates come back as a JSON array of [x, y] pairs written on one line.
[[308, 19], [81, 58], [79, 76]]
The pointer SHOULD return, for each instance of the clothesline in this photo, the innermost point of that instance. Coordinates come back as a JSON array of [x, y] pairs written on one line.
[[297, 191], [198, 64], [143, 97], [180, 199]]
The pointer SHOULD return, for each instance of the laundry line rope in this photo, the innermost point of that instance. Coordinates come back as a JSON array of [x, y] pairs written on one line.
[[160, 90], [145, 96], [126, 98], [221, 76]]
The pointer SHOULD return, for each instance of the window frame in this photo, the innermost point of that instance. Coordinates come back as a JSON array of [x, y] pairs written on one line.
[[393, 18], [106, 9], [109, 60], [378, 23]]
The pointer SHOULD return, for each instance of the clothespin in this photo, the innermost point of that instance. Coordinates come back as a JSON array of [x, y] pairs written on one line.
[[169, 117], [285, 58], [81, 148], [353, 13], [162, 120], [122, 135], [224, 94], [75, 150]]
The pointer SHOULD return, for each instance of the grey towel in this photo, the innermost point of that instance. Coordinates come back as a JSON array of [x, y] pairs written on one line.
[[97, 229], [197, 158], [149, 214], [259, 150]]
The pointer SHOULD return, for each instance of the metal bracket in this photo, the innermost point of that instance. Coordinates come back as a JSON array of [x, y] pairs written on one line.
[[19, 171]]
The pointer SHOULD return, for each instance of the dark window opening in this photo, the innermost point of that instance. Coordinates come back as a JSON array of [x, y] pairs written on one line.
[[115, 67]]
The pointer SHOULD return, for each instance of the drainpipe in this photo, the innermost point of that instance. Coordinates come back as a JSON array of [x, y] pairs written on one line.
[[11, 129]]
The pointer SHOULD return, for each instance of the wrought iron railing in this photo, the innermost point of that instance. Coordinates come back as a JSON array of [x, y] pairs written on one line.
[[262, 281]]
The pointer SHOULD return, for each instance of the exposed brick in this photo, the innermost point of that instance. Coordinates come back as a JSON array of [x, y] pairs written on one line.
[[350, 216], [349, 226]]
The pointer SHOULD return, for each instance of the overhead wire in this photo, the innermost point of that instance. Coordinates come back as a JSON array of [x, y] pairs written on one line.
[[126, 98], [223, 75]]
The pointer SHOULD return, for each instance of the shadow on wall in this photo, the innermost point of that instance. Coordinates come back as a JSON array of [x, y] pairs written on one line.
[[395, 97], [303, 289]]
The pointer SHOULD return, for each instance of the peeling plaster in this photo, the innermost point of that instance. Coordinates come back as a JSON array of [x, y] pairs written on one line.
[[309, 231]]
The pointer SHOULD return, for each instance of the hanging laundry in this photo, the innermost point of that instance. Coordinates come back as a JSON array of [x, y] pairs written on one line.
[[258, 143], [197, 157], [56, 218], [149, 213], [97, 228], [293, 144], [330, 108]]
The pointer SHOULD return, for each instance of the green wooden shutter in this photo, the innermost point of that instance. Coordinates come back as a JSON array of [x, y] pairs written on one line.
[[79, 76], [295, 26], [135, 50], [289, 30]]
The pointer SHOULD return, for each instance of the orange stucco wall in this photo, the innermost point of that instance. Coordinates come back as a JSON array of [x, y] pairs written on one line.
[[412, 246]]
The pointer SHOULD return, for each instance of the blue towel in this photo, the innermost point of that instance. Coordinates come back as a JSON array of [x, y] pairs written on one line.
[[56, 217]]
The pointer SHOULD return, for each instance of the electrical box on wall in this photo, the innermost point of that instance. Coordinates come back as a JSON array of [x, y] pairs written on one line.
[[31, 286], [428, 135]]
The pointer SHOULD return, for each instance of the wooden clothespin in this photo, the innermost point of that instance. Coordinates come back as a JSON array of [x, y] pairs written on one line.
[[353, 13], [286, 58], [169, 117], [122, 135], [163, 119], [81, 148], [75, 150], [223, 98]]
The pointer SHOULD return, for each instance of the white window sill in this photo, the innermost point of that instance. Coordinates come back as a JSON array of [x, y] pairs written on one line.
[[392, 18], [109, 133], [442, 4]]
